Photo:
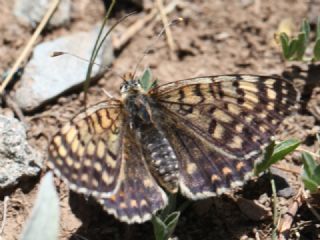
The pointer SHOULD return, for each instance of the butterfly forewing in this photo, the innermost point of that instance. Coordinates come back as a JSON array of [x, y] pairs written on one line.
[[87, 152], [219, 126]]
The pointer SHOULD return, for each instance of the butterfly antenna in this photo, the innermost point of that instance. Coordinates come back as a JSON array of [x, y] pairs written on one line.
[[148, 49], [105, 68], [97, 46]]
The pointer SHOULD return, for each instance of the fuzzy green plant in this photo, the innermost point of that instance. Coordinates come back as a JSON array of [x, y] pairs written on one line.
[[311, 173], [274, 153], [43, 222], [165, 221], [146, 81], [294, 48], [163, 228]]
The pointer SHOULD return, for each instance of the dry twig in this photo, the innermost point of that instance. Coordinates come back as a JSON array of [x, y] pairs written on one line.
[[287, 219], [118, 43], [290, 168], [17, 110], [275, 208], [257, 6], [5, 209], [26, 51], [314, 212], [164, 19]]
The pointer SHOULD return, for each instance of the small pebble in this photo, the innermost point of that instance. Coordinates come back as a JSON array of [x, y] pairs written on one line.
[[31, 12]]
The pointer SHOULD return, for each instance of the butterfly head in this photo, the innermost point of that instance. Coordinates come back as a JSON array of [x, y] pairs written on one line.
[[130, 87]]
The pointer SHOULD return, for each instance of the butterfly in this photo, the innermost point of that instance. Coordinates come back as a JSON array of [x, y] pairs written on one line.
[[200, 136]]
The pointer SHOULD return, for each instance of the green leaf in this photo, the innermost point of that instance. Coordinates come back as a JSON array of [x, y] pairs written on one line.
[[311, 172], [146, 80], [293, 46], [159, 228], [274, 153], [284, 148], [309, 183], [154, 83], [301, 46], [264, 164], [164, 229], [316, 50], [43, 222], [316, 175], [318, 29], [284, 40], [305, 28], [171, 222], [172, 202], [294, 49], [309, 164]]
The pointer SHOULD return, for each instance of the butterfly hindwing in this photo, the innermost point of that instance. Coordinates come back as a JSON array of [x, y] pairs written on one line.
[[204, 170], [139, 195], [87, 151]]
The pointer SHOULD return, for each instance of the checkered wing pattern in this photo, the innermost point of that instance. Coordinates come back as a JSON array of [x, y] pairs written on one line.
[[87, 152], [139, 195], [97, 154], [219, 125], [216, 128]]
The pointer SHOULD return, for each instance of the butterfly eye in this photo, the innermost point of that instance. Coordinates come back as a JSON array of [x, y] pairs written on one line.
[[123, 88]]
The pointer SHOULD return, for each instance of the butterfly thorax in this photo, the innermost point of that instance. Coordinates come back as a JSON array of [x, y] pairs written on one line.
[[141, 110]]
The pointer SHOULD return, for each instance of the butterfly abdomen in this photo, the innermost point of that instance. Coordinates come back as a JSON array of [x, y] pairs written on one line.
[[161, 157], [158, 152]]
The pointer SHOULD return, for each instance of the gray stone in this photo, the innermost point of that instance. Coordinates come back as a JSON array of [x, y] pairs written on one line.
[[17, 158], [46, 77], [287, 192], [31, 12]]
